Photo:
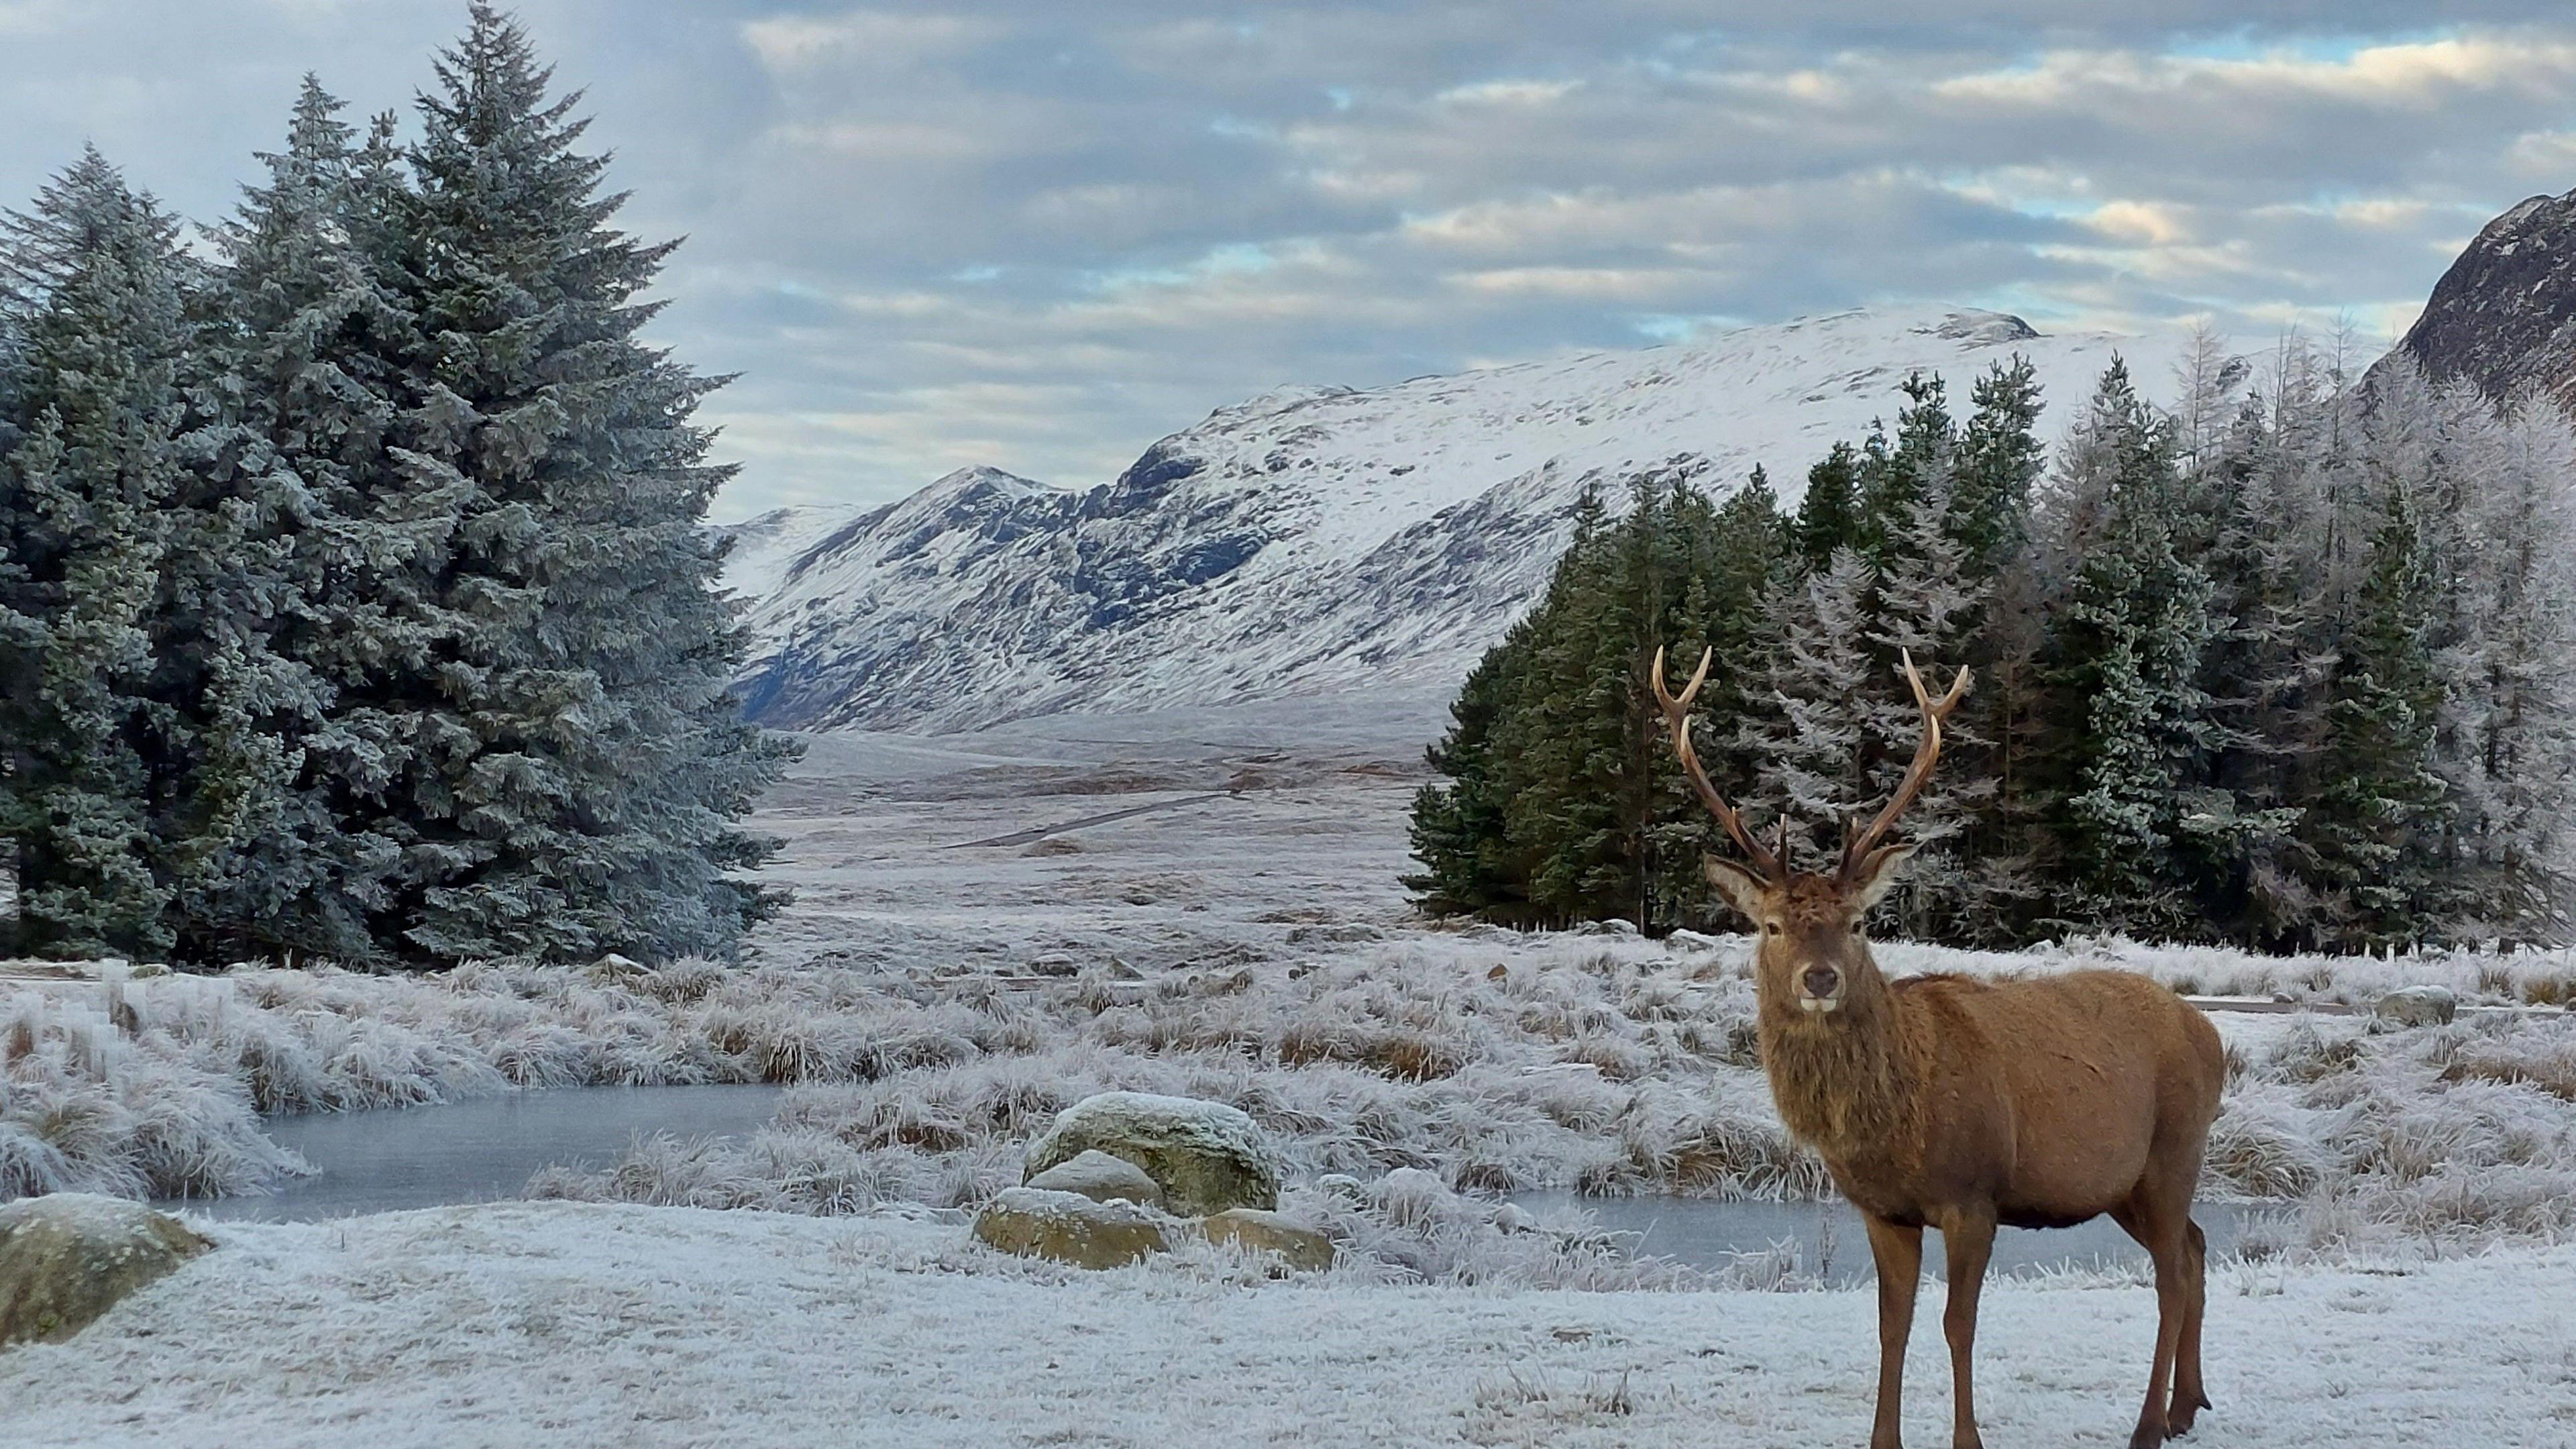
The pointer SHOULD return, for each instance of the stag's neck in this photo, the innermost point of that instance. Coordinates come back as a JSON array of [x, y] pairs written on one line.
[[1841, 1081]]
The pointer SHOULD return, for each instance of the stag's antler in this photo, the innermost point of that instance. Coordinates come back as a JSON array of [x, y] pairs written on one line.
[[1677, 716], [1858, 848]]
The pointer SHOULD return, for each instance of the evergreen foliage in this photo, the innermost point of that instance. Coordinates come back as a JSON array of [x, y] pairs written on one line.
[[358, 602], [2283, 667], [1563, 802], [95, 293]]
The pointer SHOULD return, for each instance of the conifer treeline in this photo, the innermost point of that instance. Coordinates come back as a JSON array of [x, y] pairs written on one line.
[[356, 603], [2286, 667]]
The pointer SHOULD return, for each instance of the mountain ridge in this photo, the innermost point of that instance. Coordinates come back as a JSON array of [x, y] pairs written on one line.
[[1315, 539], [2503, 315]]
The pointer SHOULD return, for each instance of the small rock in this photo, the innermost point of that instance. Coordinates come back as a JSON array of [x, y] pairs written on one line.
[[1684, 940], [1346, 934], [1066, 1227], [1498, 973], [1299, 1246], [69, 1257], [1102, 1178], [2417, 1006], [1606, 928], [1056, 963], [1119, 970], [1205, 1156], [1342, 1185], [614, 967]]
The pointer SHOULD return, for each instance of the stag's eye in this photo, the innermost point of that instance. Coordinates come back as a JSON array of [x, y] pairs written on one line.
[[1770, 928]]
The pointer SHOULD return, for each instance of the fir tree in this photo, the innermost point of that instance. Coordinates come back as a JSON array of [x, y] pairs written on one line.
[[1998, 461], [1562, 802], [1896, 474], [1829, 512], [1813, 719], [94, 287], [2379, 818], [2264, 669], [1457, 828], [321, 571], [2122, 664], [578, 765]]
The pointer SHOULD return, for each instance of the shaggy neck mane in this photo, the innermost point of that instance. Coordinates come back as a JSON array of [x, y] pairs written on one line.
[[1840, 1083]]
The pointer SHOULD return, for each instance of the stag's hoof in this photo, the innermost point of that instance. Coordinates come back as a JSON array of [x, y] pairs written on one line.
[[2149, 1436]]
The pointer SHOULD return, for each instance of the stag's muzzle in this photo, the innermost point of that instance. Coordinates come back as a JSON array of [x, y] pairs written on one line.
[[1821, 989]]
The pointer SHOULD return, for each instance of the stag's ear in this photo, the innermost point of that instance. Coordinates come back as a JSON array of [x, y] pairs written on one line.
[[1877, 875], [1739, 883]]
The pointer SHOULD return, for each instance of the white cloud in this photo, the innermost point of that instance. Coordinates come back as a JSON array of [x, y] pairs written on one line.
[[876, 38], [929, 232], [1508, 93]]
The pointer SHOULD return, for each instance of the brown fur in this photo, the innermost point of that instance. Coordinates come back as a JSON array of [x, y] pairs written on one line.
[[1961, 1104]]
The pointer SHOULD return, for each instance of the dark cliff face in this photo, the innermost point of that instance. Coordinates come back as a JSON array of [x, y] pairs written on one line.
[[2504, 316]]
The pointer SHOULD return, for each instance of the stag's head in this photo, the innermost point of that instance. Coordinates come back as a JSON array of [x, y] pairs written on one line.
[[1808, 946]]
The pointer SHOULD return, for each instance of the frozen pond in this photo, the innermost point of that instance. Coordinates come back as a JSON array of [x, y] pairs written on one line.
[[486, 1149], [479, 1150], [1709, 1232]]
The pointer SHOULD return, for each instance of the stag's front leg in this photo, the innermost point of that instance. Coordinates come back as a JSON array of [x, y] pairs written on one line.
[[1898, 1252], [1969, 1237]]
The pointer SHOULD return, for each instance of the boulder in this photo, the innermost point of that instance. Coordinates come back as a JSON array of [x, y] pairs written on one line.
[[1298, 1245], [1066, 1227], [1102, 1178], [2417, 1006], [69, 1257], [1205, 1156]]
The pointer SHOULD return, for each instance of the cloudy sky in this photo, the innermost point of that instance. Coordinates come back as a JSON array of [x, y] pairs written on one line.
[[1039, 235]]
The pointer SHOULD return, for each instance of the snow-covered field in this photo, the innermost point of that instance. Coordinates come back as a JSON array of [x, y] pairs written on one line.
[[553, 1324], [990, 928]]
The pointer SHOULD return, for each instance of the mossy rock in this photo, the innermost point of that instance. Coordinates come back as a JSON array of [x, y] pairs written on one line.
[[1205, 1156], [1102, 1178], [1066, 1227], [67, 1258], [1299, 1246]]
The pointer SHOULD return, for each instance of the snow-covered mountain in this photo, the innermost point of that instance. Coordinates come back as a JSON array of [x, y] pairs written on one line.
[[1315, 539]]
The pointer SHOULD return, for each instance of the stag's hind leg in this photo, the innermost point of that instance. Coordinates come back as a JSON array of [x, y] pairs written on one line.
[[2189, 1395], [1968, 1237], [2165, 1231]]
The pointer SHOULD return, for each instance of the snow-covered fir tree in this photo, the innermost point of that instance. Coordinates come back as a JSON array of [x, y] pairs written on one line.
[[2381, 809], [95, 292], [2516, 758], [2264, 668], [575, 781], [2121, 661], [1811, 720], [327, 571]]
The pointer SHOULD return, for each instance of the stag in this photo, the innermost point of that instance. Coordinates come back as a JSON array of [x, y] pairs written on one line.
[[1961, 1104]]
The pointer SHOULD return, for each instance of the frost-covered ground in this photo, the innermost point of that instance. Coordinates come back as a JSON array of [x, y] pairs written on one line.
[[991, 928], [967, 957], [551, 1324]]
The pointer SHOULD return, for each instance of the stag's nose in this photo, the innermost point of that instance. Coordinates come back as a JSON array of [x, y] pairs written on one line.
[[1822, 982]]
